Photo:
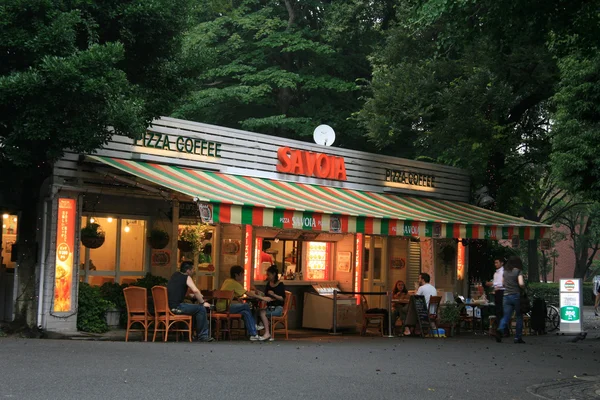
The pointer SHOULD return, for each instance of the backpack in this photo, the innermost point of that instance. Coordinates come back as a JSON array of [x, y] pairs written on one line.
[[538, 316]]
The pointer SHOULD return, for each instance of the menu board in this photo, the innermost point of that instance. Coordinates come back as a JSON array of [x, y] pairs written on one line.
[[418, 315]]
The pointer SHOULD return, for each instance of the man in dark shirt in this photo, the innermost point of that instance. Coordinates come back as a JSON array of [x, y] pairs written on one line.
[[177, 288]]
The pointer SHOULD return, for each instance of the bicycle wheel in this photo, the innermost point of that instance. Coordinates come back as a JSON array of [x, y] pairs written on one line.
[[552, 318]]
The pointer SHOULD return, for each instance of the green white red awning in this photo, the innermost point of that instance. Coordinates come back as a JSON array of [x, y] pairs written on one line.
[[233, 199]]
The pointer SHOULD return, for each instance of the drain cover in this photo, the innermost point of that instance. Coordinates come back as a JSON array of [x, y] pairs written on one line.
[[580, 388]]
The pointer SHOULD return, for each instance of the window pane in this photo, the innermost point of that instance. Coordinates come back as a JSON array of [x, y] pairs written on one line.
[[377, 258], [133, 244], [104, 257]]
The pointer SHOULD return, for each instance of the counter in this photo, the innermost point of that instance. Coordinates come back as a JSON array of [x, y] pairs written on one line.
[[298, 289]]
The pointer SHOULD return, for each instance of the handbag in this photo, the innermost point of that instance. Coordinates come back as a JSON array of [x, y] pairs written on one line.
[[525, 304]]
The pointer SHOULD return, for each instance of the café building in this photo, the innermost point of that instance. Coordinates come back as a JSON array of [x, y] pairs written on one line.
[[328, 217]]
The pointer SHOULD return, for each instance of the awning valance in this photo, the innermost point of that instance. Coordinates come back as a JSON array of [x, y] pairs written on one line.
[[289, 205]]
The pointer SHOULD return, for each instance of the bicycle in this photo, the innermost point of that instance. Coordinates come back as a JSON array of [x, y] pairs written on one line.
[[552, 315]]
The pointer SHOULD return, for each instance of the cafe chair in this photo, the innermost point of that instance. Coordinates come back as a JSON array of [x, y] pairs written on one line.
[[223, 319], [370, 320], [136, 299], [166, 319], [283, 320], [434, 305]]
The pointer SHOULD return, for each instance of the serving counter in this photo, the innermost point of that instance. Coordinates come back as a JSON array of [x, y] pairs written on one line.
[[298, 289]]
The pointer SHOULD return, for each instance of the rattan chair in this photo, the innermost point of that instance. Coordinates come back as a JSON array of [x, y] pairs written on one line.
[[283, 320], [136, 299], [223, 319], [165, 318]]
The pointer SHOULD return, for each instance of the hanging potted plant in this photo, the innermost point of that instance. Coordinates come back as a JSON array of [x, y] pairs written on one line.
[[158, 239], [92, 236], [191, 237]]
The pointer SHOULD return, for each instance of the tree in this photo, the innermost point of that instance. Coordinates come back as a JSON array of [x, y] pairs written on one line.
[[583, 224], [72, 74], [471, 84], [576, 134], [283, 67]]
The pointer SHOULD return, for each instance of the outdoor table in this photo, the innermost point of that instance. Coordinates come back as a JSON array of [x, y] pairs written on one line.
[[481, 306]]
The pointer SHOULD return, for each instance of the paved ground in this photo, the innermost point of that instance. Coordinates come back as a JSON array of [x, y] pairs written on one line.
[[325, 367], [321, 368]]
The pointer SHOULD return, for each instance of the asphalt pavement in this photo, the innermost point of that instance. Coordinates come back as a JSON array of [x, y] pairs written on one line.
[[319, 368]]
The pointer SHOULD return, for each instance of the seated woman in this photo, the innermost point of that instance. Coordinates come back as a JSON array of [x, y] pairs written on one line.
[[400, 310], [274, 289]]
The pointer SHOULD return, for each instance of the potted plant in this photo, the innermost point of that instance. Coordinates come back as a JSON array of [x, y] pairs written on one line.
[[92, 236], [449, 317], [158, 239], [113, 293], [191, 237]]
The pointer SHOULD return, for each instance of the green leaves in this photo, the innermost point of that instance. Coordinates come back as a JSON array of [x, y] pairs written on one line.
[[576, 135]]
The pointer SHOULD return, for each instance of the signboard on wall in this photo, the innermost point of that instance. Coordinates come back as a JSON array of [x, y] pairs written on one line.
[[65, 245], [344, 260], [160, 258]]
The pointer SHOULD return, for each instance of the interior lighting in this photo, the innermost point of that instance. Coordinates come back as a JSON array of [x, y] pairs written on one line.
[[109, 219], [15, 219], [92, 220], [5, 216], [3, 226], [127, 228]]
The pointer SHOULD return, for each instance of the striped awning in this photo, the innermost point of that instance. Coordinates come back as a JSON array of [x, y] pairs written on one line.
[[263, 202]]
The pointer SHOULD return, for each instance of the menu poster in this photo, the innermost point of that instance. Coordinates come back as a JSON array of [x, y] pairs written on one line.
[[344, 261], [65, 245]]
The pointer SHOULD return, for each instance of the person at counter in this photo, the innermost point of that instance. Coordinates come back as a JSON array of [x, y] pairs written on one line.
[[177, 287], [275, 290], [234, 283], [425, 288]]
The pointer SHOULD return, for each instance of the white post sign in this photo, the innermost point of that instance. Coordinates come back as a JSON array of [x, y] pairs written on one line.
[[571, 312]]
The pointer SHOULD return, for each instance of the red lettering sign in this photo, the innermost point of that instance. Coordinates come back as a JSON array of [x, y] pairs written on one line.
[[318, 165]]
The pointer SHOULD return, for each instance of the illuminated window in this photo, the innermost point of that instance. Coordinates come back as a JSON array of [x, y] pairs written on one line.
[[121, 258]]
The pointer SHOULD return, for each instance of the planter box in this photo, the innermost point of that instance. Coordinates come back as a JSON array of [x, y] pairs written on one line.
[[112, 318]]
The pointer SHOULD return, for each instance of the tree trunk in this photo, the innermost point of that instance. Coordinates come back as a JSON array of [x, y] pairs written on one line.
[[27, 248], [533, 261]]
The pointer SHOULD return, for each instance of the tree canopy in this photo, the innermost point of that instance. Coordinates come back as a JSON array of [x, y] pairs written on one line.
[[282, 67]]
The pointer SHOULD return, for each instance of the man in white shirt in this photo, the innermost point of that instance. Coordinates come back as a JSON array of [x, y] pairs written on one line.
[[425, 288], [498, 285]]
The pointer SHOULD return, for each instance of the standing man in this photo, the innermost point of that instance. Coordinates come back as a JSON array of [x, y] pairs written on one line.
[[177, 288], [498, 285]]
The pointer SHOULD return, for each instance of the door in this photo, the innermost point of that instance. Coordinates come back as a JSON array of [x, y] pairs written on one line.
[[374, 270]]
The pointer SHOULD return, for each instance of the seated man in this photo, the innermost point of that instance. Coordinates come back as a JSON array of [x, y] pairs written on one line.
[[234, 283], [425, 288], [177, 288]]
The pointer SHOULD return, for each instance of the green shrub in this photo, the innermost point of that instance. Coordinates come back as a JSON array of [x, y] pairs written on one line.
[[550, 292], [91, 309], [149, 281]]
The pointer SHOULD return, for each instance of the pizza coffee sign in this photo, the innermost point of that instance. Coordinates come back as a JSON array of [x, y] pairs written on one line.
[[180, 144]]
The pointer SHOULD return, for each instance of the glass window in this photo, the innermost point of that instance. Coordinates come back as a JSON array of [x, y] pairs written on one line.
[[104, 258], [123, 237], [377, 258], [133, 245]]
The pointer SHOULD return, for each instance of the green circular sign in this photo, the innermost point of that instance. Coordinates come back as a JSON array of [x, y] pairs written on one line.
[[569, 313]]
